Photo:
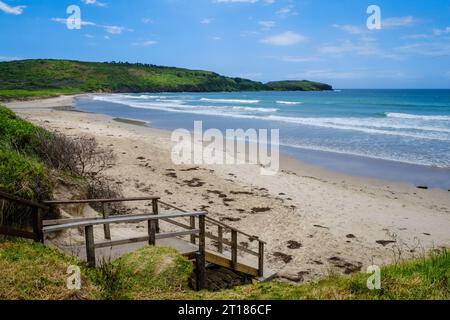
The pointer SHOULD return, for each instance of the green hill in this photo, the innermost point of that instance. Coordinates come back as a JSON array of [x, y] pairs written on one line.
[[302, 85], [46, 78]]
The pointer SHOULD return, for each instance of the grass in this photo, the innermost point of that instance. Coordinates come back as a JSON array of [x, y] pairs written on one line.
[[427, 278], [21, 172], [149, 273], [35, 272], [9, 95], [32, 271]]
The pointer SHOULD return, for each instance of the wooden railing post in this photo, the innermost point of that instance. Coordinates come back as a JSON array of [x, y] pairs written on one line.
[[37, 224], [106, 227], [152, 232], [220, 236], [156, 212], [90, 246], [200, 258], [192, 220], [261, 259], [234, 249]]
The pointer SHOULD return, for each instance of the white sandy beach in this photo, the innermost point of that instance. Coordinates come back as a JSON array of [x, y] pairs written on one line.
[[337, 219]]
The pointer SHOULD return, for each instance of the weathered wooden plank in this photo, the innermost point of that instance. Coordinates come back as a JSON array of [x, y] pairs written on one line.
[[234, 249], [151, 232], [228, 243], [168, 235], [110, 244], [90, 246], [178, 224], [37, 224], [124, 219], [213, 221], [219, 239], [25, 202], [201, 256], [106, 227], [47, 223], [261, 260], [226, 263], [219, 223], [192, 223], [11, 232], [156, 212], [87, 201]]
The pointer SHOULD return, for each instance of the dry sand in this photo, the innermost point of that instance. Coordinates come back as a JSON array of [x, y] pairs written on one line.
[[314, 221]]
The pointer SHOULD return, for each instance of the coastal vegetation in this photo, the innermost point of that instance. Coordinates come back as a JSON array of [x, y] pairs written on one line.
[[161, 273], [302, 85], [33, 160], [29, 79]]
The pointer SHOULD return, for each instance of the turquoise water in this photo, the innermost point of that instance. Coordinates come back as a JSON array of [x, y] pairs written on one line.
[[401, 126]]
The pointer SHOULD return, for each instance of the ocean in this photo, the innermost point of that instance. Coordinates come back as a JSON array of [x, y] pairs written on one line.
[[398, 135]]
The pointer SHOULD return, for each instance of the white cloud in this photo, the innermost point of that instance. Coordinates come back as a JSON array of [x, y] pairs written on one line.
[[287, 11], [6, 58], [439, 32], [147, 20], [397, 22], [435, 33], [116, 29], [64, 21], [287, 38], [108, 29], [206, 21], [297, 59], [326, 74], [267, 24], [95, 3], [244, 1], [18, 10], [250, 75], [146, 43], [431, 49], [236, 1], [364, 46], [349, 28]]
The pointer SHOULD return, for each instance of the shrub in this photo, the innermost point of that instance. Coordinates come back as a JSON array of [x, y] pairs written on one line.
[[101, 187], [80, 156]]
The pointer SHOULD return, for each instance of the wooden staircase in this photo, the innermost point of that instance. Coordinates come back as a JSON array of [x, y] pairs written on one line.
[[203, 239]]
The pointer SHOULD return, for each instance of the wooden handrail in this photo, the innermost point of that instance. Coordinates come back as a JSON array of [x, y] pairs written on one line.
[[235, 247], [216, 222], [121, 219], [25, 202], [88, 201]]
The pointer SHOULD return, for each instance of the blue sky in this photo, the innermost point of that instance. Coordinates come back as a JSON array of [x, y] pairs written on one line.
[[322, 40]]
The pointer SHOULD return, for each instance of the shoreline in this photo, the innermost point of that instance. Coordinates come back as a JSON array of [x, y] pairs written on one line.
[[338, 220], [394, 171]]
